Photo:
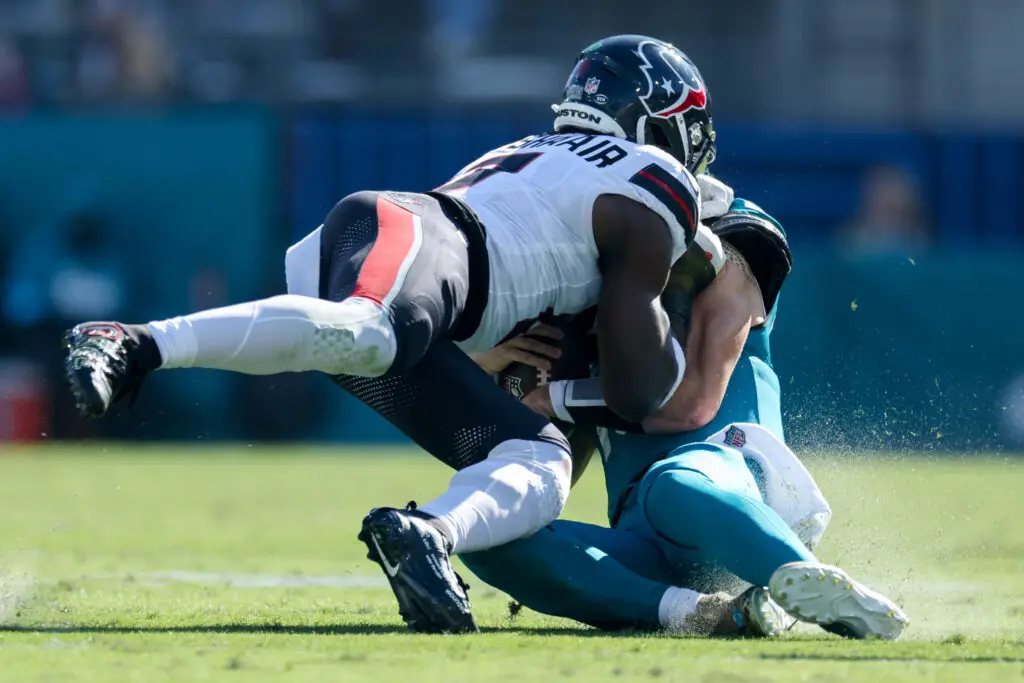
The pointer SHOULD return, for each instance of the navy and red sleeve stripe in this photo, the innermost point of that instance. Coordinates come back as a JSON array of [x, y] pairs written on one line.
[[672, 192]]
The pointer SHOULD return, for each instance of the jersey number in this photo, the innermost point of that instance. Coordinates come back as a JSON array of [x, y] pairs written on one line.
[[509, 163]]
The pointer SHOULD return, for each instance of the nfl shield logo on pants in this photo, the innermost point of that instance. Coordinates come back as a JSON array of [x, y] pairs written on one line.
[[592, 84], [735, 437]]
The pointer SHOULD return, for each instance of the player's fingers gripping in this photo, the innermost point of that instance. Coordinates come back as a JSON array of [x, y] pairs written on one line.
[[543, 330], [517, 355], [534, 351]]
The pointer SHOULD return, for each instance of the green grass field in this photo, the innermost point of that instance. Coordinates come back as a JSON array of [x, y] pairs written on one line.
[[185, 564]]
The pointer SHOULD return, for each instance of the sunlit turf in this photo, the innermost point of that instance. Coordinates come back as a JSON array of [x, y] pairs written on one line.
[[174, 563]]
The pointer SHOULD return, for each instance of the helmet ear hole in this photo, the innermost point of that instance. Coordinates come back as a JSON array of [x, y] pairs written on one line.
[[656, 136]]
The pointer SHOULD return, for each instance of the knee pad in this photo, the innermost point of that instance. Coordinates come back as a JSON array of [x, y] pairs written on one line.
[[351, 337], [542, 471]]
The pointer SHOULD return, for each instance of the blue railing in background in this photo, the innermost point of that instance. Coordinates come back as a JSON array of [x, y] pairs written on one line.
[[972, 184], [886, 353]]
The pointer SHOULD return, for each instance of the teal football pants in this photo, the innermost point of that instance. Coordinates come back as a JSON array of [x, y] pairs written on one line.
[[696, 519]]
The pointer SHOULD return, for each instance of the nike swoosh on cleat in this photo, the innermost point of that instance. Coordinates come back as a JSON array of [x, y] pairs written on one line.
[[389, 569]]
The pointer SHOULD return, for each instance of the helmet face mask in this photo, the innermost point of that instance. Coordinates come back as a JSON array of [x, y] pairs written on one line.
[[643, 90]]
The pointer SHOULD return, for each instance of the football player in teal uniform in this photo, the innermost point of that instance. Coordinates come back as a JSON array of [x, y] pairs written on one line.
[[704, 496]]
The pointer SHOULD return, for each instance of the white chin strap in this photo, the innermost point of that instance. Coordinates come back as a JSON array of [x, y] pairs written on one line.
[[641, 131]]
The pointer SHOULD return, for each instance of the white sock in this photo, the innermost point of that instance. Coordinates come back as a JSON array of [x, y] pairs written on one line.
[[521, 487], [286, 333], [677, 605]]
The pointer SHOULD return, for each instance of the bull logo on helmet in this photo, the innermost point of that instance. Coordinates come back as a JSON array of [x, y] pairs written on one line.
[[667, 76]]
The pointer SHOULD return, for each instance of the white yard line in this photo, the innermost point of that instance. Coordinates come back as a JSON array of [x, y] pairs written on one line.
[[15, 590], [240, 580], [10, 585]]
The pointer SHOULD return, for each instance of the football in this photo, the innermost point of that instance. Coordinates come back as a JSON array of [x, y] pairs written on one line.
[[579, 351]]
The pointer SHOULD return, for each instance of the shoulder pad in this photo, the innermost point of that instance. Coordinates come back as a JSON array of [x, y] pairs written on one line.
[[762, 242], [668, 189], [739, 204]]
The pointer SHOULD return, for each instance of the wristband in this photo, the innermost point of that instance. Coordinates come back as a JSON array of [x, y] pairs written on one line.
[[581, 402], [556, 391]]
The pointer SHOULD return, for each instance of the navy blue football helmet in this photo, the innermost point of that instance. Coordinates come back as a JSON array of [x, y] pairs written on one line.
[[644, 90]]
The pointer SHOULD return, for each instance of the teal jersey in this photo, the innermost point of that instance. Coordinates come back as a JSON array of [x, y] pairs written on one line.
[[751, 396]]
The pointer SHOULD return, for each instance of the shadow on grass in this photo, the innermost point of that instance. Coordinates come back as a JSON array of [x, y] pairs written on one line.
[[967, 659], [387, 629], [326, 630]]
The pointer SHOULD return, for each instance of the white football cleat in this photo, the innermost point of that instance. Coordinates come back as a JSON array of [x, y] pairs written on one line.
[[825, 595]]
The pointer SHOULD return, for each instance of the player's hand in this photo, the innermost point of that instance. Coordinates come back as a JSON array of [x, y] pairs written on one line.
[[539, 401], [528, 350]]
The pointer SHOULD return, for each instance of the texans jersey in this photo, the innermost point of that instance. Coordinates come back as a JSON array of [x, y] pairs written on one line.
[[535, 198]]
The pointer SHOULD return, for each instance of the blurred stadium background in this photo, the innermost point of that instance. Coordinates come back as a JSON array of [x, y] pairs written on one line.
[[157, 156]]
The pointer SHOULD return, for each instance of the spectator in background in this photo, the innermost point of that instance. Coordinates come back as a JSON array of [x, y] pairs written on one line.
[[146, 56], [96, 70], [459, 26], [123, 53], [53, 278], [891, 218], [56, 277], [13, 76]]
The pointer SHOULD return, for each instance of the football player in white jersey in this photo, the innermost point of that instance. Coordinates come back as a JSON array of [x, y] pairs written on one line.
[[390, 291]]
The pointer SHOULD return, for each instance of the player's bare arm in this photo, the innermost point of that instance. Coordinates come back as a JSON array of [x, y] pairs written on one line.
[[723, 315], [714, 333], [638, 364]]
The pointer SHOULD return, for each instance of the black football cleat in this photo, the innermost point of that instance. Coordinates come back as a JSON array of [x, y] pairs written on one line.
[[105, 362], [416, 560]]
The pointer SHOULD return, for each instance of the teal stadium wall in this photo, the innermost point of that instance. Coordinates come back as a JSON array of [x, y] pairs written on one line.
[[898, 353], [183, 191], [186, 189]]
